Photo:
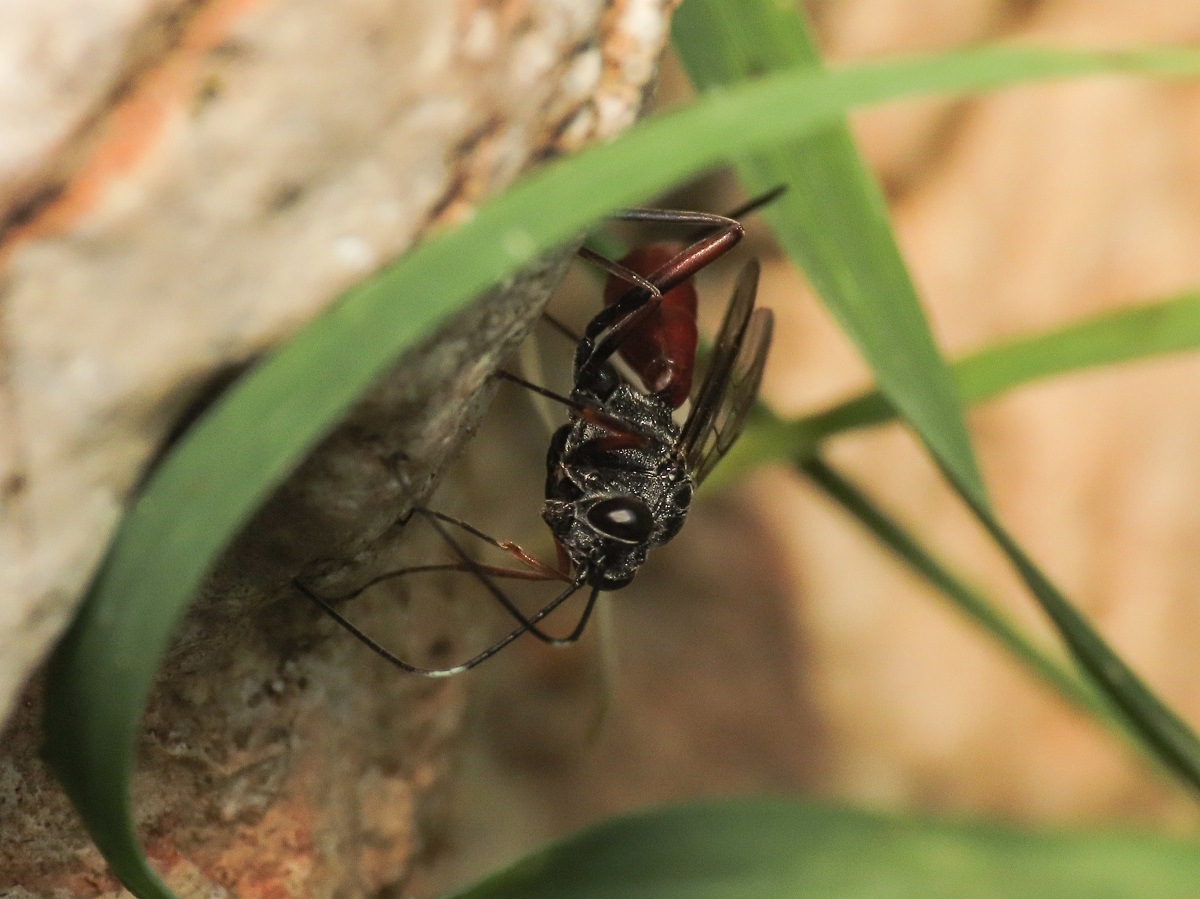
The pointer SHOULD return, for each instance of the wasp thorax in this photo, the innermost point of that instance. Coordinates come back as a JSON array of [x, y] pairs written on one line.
[[623, 518]]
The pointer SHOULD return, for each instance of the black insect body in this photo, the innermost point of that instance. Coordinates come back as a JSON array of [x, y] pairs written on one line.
[[608, 504], [621, 473]]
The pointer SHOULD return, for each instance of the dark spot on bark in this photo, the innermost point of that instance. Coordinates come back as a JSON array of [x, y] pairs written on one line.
[[24, 211], [210, 89], [440, 648], [285, 197], [14, 486]]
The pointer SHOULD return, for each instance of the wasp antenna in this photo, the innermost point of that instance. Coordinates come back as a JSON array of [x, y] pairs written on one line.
[[756, 203]]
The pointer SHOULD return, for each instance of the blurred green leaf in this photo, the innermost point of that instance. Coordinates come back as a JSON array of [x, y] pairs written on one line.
[[1126, 335], [979, 609], [833, 222], [758, 848]]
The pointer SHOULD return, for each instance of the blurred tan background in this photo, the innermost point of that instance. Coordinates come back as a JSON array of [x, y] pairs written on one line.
[[774, 647]]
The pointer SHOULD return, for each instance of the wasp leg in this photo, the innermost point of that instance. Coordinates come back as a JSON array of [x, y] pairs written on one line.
[[528, 623], [593, 414], [622, 318], [398, 662], [538, 389], [619, 271], [719, 234], [561, 328], [542, 570]]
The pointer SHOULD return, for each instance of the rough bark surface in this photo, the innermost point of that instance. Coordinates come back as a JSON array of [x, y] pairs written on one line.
[[189, 182]]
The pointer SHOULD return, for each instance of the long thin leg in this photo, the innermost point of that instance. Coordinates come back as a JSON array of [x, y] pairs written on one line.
[[513, 549], [756, 203], [700, 253], [617, 270], [561, 328], [674, 216], [516, 574], [535, 570], [390, 657], [594, 414], [582, 623], [498, 594], [541, 391], [709, 220], [612, 326], [718, 235], [629, 313]]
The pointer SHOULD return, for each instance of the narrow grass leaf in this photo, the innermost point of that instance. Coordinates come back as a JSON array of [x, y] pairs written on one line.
[[982, 611], [1160, 729], [1127, 335], [966, 599], [832, 221]]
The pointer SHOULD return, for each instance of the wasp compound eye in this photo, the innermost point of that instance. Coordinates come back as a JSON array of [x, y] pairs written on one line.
[[623, 518]]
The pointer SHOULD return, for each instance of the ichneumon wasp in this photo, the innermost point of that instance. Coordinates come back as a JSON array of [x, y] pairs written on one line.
[[621, 472]]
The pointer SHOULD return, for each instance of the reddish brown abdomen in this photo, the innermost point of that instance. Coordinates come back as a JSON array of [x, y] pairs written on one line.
[[662, 349]]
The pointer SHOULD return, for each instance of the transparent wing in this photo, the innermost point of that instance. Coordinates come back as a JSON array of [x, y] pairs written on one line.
[[731, 384]]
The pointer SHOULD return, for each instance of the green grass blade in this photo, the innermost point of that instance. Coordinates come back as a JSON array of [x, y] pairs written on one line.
[[833, 222], [1126, 335], [782, 849], [1146, 716], [965, 598], [975, 606], [208, 486]]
